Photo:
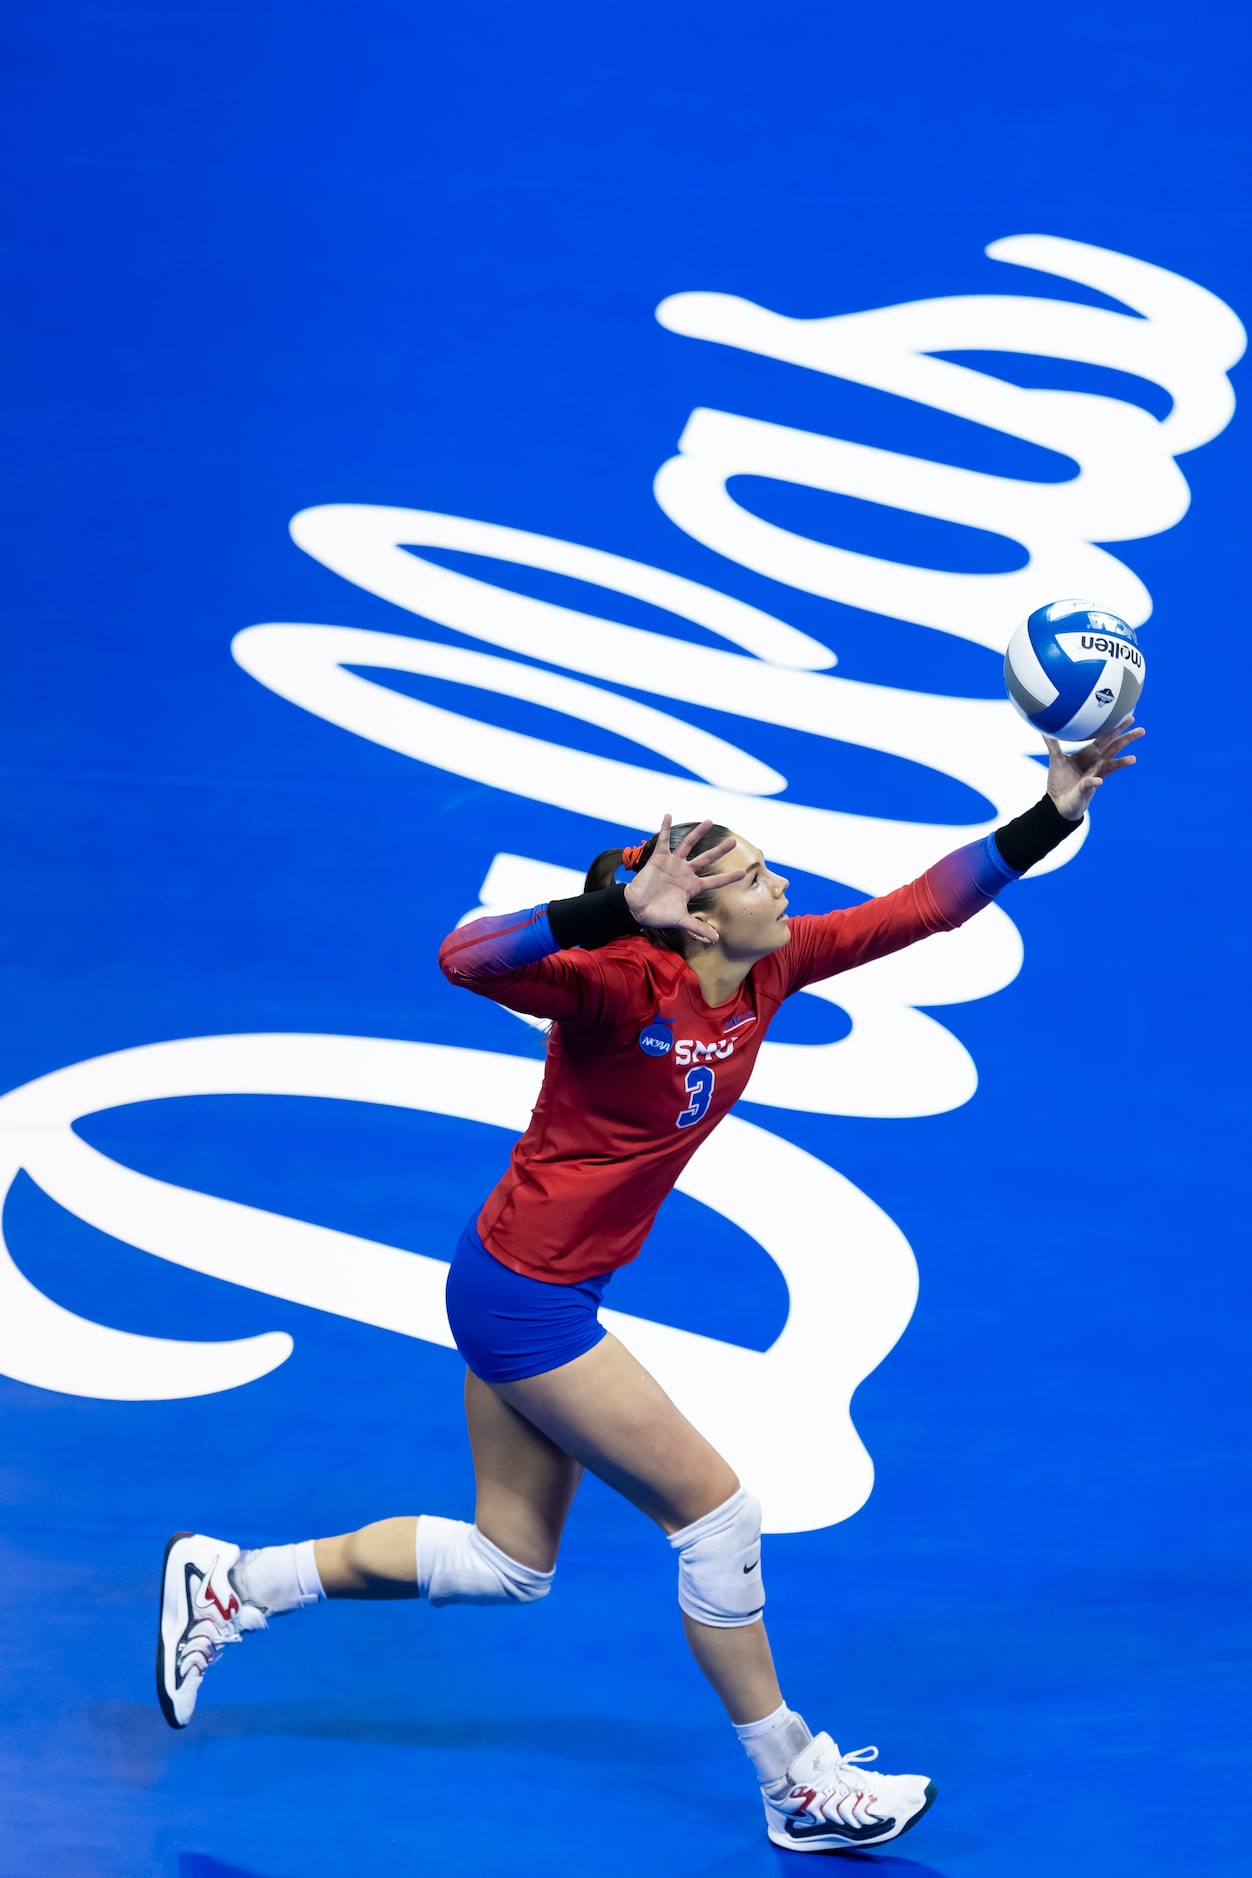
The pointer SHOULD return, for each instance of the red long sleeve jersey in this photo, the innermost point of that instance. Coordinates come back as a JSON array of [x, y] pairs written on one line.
[[639, 1068]]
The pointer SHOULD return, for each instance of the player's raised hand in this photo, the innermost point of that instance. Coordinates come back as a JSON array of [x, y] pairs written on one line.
[[1075, 775], [659, 893]]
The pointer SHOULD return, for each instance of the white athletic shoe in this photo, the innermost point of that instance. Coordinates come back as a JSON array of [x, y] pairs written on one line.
[[829, 1803], [201, 1612]]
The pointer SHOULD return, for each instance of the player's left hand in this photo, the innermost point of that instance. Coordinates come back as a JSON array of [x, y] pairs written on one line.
[[1075, 775], [659, 893]]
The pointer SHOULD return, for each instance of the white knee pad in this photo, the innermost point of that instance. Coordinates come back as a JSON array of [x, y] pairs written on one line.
[[719, 1564], [457, 1565]]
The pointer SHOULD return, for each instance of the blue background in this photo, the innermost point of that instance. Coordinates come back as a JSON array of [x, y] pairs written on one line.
[[282, 255]]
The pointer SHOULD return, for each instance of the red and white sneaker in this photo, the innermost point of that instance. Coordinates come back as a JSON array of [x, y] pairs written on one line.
[[828, 1802], [201, 1612]]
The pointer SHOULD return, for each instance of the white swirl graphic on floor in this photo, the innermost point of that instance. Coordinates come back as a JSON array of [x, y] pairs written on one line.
[[852, 1286], [853, 1281]]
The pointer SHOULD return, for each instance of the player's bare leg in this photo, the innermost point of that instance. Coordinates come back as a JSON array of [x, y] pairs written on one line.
[[212, 1594], [531, 1441], [608, 1412], [524, 1483], [607, 1409], [378, 1561]]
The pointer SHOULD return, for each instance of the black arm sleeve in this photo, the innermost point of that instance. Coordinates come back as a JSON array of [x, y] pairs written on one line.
[[1029, 837], [591, 919]]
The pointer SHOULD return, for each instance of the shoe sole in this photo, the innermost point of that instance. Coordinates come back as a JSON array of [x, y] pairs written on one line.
[[167, 1707], [836, 1844]]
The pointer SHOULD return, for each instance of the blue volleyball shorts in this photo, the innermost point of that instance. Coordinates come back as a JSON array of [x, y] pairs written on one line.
[[508, 1326]]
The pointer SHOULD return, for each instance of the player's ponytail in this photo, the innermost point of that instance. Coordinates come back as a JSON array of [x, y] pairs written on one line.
[[603, 872]]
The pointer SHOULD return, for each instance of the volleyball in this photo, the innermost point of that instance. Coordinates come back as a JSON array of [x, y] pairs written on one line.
[[1073, 670]]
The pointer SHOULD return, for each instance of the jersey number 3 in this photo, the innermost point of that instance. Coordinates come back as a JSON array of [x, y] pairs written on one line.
[[699, 1086]]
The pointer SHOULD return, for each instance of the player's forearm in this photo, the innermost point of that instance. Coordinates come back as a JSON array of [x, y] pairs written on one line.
[[962, 883], [591, 919]]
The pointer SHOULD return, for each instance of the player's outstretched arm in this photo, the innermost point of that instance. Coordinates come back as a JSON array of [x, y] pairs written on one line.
[[963, 882]]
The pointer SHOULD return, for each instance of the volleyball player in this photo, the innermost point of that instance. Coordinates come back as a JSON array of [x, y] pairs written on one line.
[[696, 948]]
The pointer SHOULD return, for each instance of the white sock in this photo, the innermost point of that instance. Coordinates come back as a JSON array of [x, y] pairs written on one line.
[[772, 1743], [278, 1578]]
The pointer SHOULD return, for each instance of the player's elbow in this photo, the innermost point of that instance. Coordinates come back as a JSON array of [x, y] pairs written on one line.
[[456, 961]]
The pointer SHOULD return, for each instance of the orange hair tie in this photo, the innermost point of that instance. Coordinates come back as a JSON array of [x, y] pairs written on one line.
[[631, 857]]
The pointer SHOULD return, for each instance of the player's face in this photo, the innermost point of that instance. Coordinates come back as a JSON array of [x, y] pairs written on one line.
[[751, 916]]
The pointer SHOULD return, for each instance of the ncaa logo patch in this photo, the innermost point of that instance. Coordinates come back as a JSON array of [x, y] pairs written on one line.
[[657, 1038]]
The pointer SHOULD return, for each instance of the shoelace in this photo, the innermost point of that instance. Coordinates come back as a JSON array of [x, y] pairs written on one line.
[[212, 1645], [836, 1762]]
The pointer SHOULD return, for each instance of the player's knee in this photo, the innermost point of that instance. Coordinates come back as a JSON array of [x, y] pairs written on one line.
[[719, 1564], [512, 1582], [457, 1564]]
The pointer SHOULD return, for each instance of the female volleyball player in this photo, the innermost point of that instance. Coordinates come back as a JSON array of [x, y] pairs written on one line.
[[697, 948]]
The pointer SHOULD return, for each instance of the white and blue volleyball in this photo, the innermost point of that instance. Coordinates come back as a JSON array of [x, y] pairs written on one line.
[[1073, 670]]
